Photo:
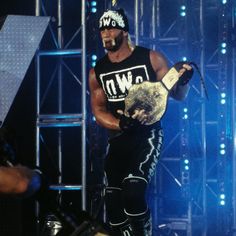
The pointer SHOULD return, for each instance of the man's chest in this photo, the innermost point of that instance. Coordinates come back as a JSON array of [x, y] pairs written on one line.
[[116, 83]]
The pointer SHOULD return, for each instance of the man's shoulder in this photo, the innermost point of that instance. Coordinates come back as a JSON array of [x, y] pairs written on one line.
[[141, 48], [148, 50], [101, 64]]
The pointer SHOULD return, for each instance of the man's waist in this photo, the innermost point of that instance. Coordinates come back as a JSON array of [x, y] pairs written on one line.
[[139, 130]]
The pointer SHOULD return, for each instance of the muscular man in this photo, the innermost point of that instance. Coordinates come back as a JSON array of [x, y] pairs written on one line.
[[134, 148]]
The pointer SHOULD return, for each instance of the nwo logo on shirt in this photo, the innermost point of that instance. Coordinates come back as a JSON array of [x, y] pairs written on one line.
[[117, 83]]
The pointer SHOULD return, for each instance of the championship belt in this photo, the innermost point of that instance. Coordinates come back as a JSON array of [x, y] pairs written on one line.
[[151, 96]]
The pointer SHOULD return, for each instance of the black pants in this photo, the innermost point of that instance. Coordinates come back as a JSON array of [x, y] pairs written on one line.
[[130, 164]]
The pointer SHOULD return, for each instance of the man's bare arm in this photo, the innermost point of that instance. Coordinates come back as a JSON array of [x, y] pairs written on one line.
[[159, 63], [98, 104], [14, 180]]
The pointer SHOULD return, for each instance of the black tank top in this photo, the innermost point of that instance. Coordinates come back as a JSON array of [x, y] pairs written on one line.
[[117, 78]]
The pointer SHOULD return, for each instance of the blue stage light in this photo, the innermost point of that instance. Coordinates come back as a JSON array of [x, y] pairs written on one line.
[[222, 145], [94, 57], [222, 152], [93, 3], [223, 45], [93, 9], [224, 1], [185, 110], [185, 117], [186, 167], [93, 63], [223, 95], [182, 10], [222, 202], [222, 196], [184, 58], [223, 51], [222, 101], [94, 118], [186, 161]]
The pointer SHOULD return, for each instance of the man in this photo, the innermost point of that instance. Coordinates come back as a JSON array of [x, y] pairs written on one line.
[[23, 182], [134, 148]]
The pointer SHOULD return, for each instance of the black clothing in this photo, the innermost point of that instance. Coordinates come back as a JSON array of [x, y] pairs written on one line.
[[133, 154], [117, 78], [130, 163]]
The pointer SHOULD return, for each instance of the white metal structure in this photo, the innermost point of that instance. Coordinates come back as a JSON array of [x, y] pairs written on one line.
[[61, 119]]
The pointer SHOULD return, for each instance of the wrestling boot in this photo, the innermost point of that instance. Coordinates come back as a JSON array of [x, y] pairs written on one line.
[[141, 225], [123, 229]]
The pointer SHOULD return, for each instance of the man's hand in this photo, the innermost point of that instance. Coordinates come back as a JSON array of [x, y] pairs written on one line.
[[140, 115], [128, 122], [185, 72]]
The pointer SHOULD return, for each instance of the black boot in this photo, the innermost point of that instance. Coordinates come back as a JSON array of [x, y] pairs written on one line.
[[141, 225], [123, 229]]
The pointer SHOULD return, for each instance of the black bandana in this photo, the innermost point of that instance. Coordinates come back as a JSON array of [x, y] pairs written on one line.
[[114, 20]]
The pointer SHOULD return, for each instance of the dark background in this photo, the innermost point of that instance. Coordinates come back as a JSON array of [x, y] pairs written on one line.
[[17, 216]]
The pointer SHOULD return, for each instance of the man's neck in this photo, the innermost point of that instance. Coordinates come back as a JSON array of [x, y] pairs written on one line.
[[121, 54]]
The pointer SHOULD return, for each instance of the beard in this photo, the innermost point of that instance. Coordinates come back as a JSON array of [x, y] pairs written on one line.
[[113, 44]]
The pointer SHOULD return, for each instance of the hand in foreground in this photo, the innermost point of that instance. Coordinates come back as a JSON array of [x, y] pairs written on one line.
[[128, 122]]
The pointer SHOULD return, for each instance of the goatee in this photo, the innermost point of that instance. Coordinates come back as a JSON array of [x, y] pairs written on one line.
[[114, 44]]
